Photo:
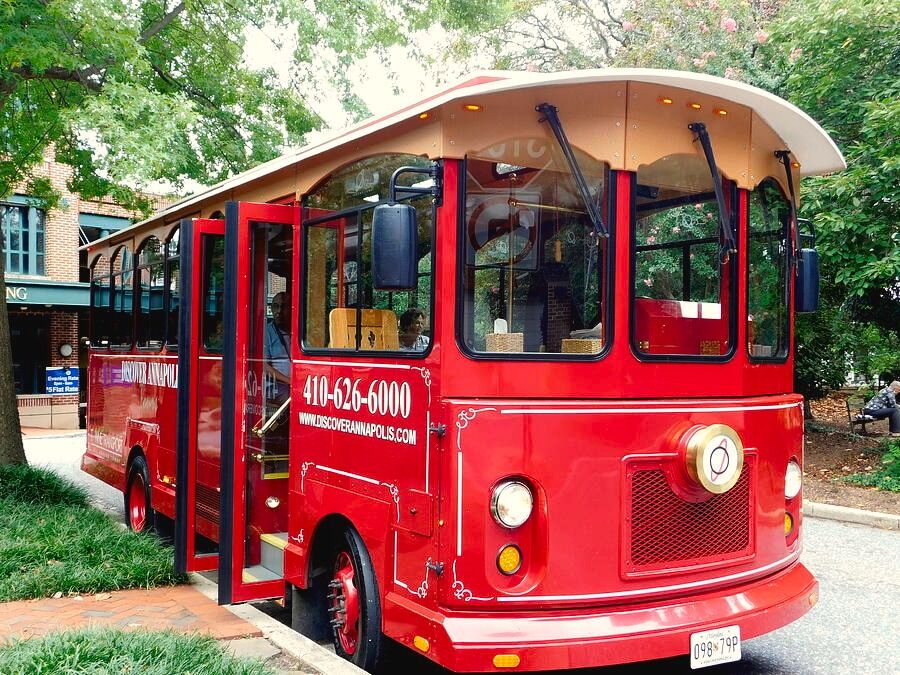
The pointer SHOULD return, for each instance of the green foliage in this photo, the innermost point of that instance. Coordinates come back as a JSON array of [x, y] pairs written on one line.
[[23, 484], [887, 476], [820, 358], [113, 652], [134, 92], [845, 72], [52, 541], [841, 64]]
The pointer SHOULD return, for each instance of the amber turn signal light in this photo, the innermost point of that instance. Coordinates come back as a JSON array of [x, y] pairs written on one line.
[[510, 559]]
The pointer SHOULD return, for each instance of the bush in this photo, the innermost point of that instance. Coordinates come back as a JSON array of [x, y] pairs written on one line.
[[23, 484], [887, 476]]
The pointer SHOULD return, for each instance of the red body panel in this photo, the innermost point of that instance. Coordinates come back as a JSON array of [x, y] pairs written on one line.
[[129, 394], [467, 641]]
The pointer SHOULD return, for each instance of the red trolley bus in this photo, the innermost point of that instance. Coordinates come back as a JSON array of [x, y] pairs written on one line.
[[505, 376]]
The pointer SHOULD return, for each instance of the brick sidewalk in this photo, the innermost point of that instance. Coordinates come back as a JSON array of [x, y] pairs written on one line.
[[180, 608]]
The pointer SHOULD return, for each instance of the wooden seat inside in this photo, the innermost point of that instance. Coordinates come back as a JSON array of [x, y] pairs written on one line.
[[379, 329]]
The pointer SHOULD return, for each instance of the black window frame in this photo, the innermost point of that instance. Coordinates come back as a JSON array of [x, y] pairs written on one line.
[[731, 198], [139, 318], [118, 317], [171, 340], [610, 187], [208, 243], [356, 212], [781, 357], [97, 312]]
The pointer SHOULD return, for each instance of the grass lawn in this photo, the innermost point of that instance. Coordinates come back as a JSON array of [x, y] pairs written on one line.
[[52, 540], [113, 652]]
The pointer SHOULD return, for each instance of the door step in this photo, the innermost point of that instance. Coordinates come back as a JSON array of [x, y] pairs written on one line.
[[250, 575], [272, 545]]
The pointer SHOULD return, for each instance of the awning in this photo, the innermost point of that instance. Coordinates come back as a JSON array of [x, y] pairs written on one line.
[[53, 293]]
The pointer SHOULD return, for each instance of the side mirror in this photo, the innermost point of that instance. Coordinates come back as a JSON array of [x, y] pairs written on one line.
[[395, 253], [806, 288]]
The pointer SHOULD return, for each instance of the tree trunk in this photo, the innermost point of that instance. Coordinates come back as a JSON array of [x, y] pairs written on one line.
[[11, 449]]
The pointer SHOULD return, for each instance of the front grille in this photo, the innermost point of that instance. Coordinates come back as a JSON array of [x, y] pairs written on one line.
[[207, 503], [667, 531]]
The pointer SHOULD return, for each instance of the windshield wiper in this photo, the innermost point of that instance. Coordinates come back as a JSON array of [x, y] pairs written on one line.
[[729, 246], [784, 156], [550, 115]]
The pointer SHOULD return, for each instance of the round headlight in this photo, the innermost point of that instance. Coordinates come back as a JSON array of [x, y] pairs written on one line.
[[793, 480], [511, 503]]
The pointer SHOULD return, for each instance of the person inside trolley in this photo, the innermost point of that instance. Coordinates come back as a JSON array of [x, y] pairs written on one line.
[[412, 325], [277, 354]]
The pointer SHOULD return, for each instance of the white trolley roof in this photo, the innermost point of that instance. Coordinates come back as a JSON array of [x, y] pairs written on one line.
[[810, 145]]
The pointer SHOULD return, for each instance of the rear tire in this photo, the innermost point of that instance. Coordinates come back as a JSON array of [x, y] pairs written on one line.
[[354, 604], [139, 514]]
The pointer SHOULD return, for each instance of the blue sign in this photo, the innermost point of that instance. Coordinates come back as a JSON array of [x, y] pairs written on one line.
[[62, 380]]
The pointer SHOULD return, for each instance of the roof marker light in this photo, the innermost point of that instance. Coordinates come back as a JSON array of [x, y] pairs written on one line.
[[666, 100], [472, 107], [695, 106], [423, 116], [720, 111]]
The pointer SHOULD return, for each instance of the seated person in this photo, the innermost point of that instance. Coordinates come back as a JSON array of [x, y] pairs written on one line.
[[412, 323], [884, 404]]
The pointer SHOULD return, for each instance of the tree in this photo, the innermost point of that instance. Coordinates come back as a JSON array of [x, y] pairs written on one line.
[[842, 66], [719, 37], [11, 449], [132, 92]]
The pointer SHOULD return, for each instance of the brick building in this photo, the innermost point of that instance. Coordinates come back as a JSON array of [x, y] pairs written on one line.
[[47, 294]]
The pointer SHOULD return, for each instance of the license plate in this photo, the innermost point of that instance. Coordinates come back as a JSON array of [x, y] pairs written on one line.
[[712, 647]]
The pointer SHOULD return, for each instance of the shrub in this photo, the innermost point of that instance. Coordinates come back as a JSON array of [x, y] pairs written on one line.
[[887, 476]]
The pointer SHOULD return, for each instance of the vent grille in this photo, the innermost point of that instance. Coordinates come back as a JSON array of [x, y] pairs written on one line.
[[207, 503], [667, 530]]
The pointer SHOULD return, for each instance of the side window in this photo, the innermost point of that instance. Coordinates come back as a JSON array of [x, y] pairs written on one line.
[[767, 271], [122, 287], [341, 309], [173, 288], [682, 293], [100, 303], [151, 319], [213, 297]]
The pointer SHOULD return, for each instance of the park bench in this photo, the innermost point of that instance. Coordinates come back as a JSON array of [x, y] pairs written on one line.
[[855, 414]]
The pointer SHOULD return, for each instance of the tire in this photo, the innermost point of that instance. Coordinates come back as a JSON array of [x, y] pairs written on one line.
[[354, 604], [139, 514]]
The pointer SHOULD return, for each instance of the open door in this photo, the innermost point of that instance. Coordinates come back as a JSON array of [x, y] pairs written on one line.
[[200, 339], [259, 334]]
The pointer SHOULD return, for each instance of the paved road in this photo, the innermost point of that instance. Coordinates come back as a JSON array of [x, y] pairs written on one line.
[[63, 455], [855, 628]]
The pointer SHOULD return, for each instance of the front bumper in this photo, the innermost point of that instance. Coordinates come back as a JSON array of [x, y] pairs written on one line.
[[468, 641]]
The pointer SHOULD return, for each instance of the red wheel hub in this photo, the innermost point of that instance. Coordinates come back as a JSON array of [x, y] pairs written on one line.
[[137, 503], [344, 608]]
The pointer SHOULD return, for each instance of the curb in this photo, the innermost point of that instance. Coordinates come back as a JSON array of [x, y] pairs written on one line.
[[884, 521], [313, 655], [63, 434]]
